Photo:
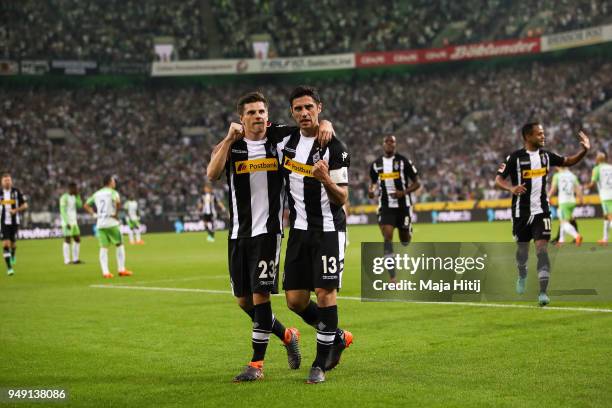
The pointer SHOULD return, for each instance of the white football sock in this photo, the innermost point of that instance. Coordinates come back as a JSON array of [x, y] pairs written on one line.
[[569, 228], [76, 246], [66, 252], [121, 258], [104, 260], [138, 235], [131, 235], [606, 228]]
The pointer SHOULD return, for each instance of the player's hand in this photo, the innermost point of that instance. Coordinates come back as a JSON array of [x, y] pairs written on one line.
[[13, 211], [325, 132], [518, 190], [399, 193], [235, 132], [584, 140], [320, 171]]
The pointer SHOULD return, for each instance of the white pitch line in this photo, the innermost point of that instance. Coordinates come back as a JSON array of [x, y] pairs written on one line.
[[473, 304]]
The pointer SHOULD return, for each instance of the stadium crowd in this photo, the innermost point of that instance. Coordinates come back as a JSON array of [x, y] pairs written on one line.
[[124, 31], [456, 127]]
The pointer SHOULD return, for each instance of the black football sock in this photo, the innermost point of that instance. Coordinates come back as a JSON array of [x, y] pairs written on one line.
[[522, 254], [543, 270], [13, 250], [250, 311], [388, 247], [310, 314], [277, 328], [262, 327], [7, 257], [326, 333]]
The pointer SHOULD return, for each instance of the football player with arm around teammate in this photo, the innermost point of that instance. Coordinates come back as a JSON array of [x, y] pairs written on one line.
[[13, 204], [249, 156]]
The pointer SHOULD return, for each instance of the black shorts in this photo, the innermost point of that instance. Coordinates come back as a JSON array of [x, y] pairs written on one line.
[[397, 217], [253, 264], [208, 218], [9, 232], [314, 259], [535, 227]]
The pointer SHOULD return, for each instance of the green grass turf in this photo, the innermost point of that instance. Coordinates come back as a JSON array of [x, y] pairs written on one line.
[[113, 347]]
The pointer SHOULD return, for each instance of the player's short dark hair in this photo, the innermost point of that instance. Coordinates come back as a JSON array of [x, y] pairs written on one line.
[[304, 90], [251, 97], [6, 174], [107, 179], [528, 128], [72, 184]]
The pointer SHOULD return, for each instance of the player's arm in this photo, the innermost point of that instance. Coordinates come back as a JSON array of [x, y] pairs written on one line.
[[220, 153], [325, 132], [579, 194], [373, 182], [553, 186], [410, 173], [337, 194], [502, 174], [594, 179], [219, 204], [586, 145], [22, 207], [88, 206], [117, 201]]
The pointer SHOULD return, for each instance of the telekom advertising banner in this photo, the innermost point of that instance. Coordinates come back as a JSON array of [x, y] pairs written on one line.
[[452, 53]]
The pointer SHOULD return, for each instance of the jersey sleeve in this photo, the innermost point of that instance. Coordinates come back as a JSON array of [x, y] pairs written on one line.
[[339, 162], [410, 172], [21, 197], [555, 159], [115, 196], [79, 202], [508, 166], [373, 174], [91, 200], [595, 175]]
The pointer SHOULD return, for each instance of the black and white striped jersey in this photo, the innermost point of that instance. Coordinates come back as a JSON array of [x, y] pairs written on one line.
[[256, 185], [530, 169], [309, 204], [392, 174], [209, 204], [11, 199]]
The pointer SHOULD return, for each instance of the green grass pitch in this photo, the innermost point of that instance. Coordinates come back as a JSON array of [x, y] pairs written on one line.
[[178, 345]]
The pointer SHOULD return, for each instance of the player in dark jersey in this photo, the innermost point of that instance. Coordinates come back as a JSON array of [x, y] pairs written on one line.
[[13, 203], [207, 206], [395, 178], [527, 169], [316, 180], [249, 154]]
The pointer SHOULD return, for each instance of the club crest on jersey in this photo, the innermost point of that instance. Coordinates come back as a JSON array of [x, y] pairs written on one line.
[[251, 166], [297, 167], [316, 157], [272, 150], [396, 166], [544, 160]]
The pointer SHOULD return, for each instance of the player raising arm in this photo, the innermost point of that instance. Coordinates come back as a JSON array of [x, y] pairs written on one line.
[[527, 169]]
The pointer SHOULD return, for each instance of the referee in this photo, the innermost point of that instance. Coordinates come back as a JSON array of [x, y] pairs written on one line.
[[13, 203]]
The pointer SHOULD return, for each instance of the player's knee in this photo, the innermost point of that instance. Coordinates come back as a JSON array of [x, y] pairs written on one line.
[[77, 239], [325, 297], [245, 303]]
